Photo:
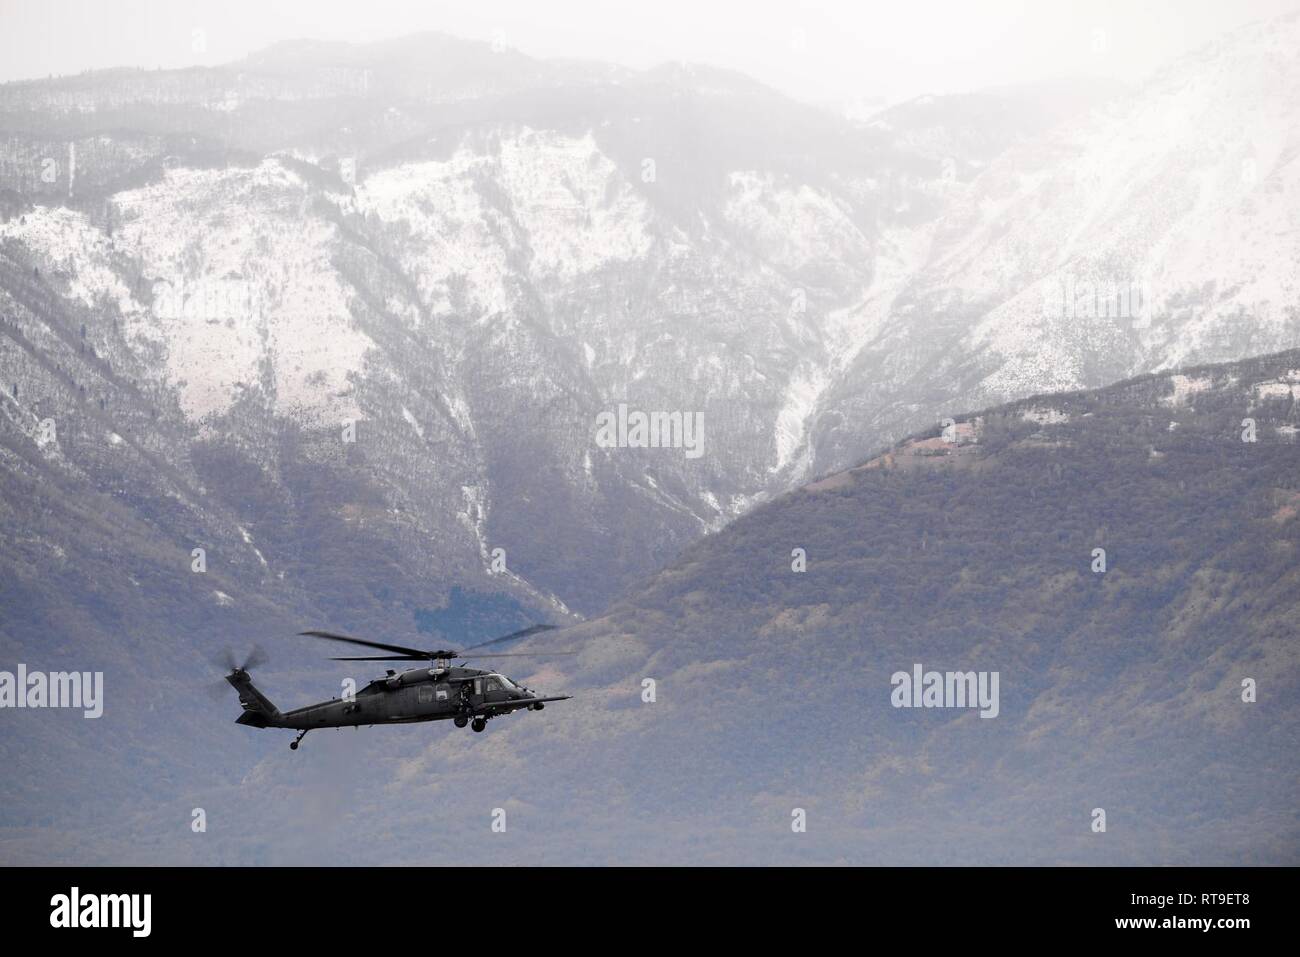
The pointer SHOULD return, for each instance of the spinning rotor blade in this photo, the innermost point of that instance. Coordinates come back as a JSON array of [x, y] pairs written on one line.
[[256, 658], [414, 653], [453, 654], [519, 654], [226, 660], [521, 633]]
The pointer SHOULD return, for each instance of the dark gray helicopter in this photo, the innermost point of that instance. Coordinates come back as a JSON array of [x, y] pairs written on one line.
[[465, 695]]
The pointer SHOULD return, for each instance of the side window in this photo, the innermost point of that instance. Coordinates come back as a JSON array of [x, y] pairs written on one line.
[[492, 685]]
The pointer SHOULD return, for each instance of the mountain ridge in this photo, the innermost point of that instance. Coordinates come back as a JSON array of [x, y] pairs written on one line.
[[205, 286], [1120, 689]]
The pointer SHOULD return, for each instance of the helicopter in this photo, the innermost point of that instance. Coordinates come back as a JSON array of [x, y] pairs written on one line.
[[466, 696]]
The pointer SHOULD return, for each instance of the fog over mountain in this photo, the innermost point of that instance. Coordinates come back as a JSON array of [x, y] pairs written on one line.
[[347, 318]]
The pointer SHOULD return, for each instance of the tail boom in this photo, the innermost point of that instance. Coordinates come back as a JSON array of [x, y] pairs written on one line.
[[259, 712]]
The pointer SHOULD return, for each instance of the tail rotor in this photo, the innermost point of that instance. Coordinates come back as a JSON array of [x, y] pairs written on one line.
[[230, 666], [255, 658]]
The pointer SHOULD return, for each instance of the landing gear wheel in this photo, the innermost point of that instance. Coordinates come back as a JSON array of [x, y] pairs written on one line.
[[479, 724], [460, 721], [293, 745]]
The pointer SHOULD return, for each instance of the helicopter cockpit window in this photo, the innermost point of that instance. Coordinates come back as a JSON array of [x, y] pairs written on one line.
[[492, 684]]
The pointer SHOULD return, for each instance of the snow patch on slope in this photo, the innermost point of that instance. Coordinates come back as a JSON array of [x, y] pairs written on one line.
[[244, 292], [795, 226], [556, 200]]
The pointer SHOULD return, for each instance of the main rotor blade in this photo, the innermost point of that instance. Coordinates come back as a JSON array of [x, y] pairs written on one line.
[[387, 658], [521, 633], [413, 652], [519, 654]]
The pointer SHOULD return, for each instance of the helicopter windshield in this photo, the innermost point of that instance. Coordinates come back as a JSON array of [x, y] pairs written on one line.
[[506, 683]]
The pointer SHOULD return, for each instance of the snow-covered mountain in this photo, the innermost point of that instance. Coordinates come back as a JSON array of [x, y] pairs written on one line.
[[1160, 229], [231, 271], [386, 292]]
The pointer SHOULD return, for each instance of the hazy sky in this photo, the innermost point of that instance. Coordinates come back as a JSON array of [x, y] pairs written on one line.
[[823, 52]]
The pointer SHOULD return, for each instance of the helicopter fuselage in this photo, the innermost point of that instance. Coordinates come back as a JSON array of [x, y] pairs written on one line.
[[416, 694], [434, 691]]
